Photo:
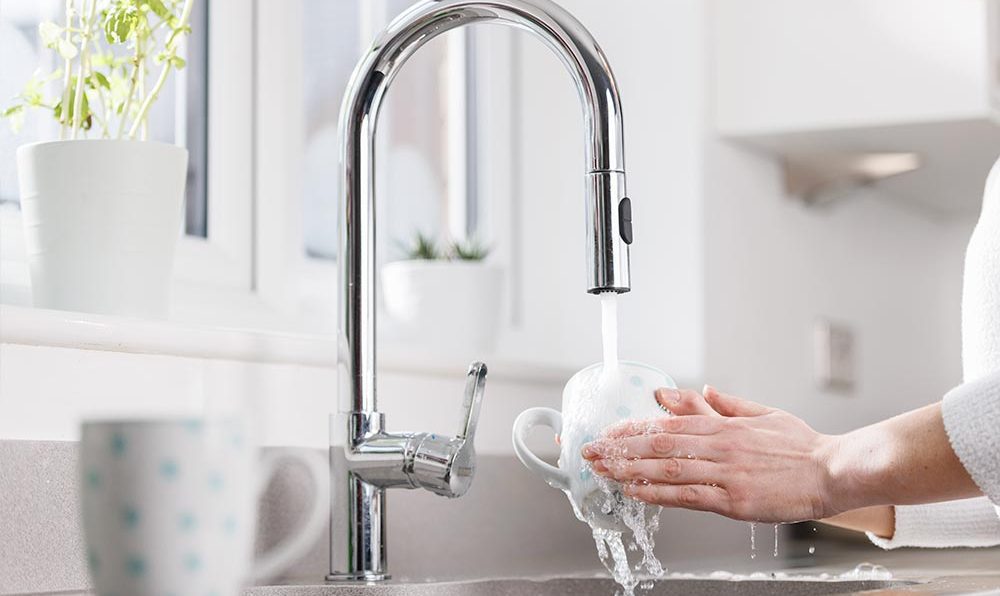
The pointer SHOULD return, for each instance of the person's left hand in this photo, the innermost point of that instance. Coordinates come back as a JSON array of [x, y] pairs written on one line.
[[722, 454]]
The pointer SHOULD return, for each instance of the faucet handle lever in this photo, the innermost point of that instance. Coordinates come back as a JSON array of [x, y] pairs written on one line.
[[475, 388]]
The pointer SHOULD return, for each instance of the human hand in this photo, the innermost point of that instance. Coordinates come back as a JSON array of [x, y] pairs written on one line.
[[722, 454]]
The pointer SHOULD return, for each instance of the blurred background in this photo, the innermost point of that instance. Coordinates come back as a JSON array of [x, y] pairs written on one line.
[[804, 176]]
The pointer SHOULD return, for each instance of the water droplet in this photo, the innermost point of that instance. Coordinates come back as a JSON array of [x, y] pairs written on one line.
[[812, 550]]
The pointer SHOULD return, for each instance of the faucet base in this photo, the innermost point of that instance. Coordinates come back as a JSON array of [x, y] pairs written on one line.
[[357, 577]]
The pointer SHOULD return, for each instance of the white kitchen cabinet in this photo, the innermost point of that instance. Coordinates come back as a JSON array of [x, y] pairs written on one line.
[[805, 79]]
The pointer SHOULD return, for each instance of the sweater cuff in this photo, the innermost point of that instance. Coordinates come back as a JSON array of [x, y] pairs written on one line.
[[964, 523], [971, 415]]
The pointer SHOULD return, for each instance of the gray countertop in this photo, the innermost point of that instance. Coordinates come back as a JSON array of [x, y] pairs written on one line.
[[950, 572], [511, 535], [915, 571]]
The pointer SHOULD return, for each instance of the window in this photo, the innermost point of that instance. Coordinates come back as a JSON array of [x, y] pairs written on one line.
[[425, 191], [258, 107], [178, 116], [306, 53]]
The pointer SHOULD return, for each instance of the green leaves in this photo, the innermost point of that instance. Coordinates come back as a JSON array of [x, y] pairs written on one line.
[[121, 22], [173, 59], [99, 80], [86, 118], [53, 36], [106, 75], [160, 10], [469, 250], [424, 248], [32, 96], [15, 116]]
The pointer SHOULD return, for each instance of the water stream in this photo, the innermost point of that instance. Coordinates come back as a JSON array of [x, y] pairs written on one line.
[[640, 519]]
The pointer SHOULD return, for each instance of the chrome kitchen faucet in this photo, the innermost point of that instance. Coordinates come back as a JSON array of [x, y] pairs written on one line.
[[365, 459]]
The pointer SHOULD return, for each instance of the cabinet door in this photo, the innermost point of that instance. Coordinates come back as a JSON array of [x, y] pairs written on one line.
[[788, 65]]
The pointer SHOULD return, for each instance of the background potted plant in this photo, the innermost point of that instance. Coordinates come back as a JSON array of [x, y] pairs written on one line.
[[102, 207], [447, 299]]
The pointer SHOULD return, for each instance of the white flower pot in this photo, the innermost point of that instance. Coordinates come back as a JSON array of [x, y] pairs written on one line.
[[449, 307], [101, 223]]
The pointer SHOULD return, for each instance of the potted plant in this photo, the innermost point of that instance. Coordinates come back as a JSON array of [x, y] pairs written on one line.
[[448, 300], [102, 206]]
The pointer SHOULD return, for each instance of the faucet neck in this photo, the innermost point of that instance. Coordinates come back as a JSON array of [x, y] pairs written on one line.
[[605, 162]]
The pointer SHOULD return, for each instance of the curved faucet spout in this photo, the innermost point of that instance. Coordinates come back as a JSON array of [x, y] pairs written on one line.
[[365, 459], [608, 210]]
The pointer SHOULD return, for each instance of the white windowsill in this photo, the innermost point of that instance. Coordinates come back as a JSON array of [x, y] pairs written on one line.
[[53, 328], [21, 325]]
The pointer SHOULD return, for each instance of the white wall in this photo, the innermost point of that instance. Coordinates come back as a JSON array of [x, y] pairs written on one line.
[[728, 274], [658, 63], [45, 391], [812, 64], [774, 266]]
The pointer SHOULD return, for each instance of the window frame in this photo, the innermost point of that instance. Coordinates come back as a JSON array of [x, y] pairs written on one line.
[[224, 257], [250, 271], [288, 280]]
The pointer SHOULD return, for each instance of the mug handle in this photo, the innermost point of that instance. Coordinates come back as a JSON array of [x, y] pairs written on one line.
[[298, 542], [527, 420]]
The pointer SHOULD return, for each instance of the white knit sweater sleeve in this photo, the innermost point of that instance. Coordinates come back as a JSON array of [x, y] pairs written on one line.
[[972, 420], [969, 522]]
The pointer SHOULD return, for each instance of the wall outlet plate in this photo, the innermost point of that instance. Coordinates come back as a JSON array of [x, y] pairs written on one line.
[[833, 350]]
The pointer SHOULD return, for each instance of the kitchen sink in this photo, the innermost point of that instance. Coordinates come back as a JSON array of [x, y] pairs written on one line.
[[592, 587]]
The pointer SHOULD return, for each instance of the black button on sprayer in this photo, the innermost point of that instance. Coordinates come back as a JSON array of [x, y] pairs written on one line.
[[625, 219]]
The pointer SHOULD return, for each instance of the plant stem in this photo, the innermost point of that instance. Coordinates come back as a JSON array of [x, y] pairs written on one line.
[[137, 63], [86, 26], [67, 76], [164, 73], [105, 119]]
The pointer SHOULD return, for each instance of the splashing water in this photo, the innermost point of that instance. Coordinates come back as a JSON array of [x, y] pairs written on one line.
[[867, 572], [613, 508], [640, 519]]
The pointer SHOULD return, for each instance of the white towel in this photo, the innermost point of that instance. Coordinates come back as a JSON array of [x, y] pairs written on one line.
[[971, 411], [970, 522]]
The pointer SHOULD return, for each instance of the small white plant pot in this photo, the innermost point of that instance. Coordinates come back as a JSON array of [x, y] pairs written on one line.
[[101, 222], [450, 307]]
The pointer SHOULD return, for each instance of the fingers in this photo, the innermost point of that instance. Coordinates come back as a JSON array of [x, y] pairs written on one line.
[[686, 425], [659, 471], [651, 446], [688, 496], [684, 402], [729, 405]]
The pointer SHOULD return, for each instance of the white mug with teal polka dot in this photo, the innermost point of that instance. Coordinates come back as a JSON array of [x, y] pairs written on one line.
[[591, 402], [169, 506]]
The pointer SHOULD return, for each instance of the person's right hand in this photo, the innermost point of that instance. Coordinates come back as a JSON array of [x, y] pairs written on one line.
[[722, 454]]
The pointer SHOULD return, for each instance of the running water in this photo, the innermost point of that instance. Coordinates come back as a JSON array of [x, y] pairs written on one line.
[[638, 518], [753, 540], [775, 540], [609, 333]]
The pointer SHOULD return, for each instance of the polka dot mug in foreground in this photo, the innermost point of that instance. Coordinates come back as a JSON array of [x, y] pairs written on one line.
[[169, 506], [591, 402]]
